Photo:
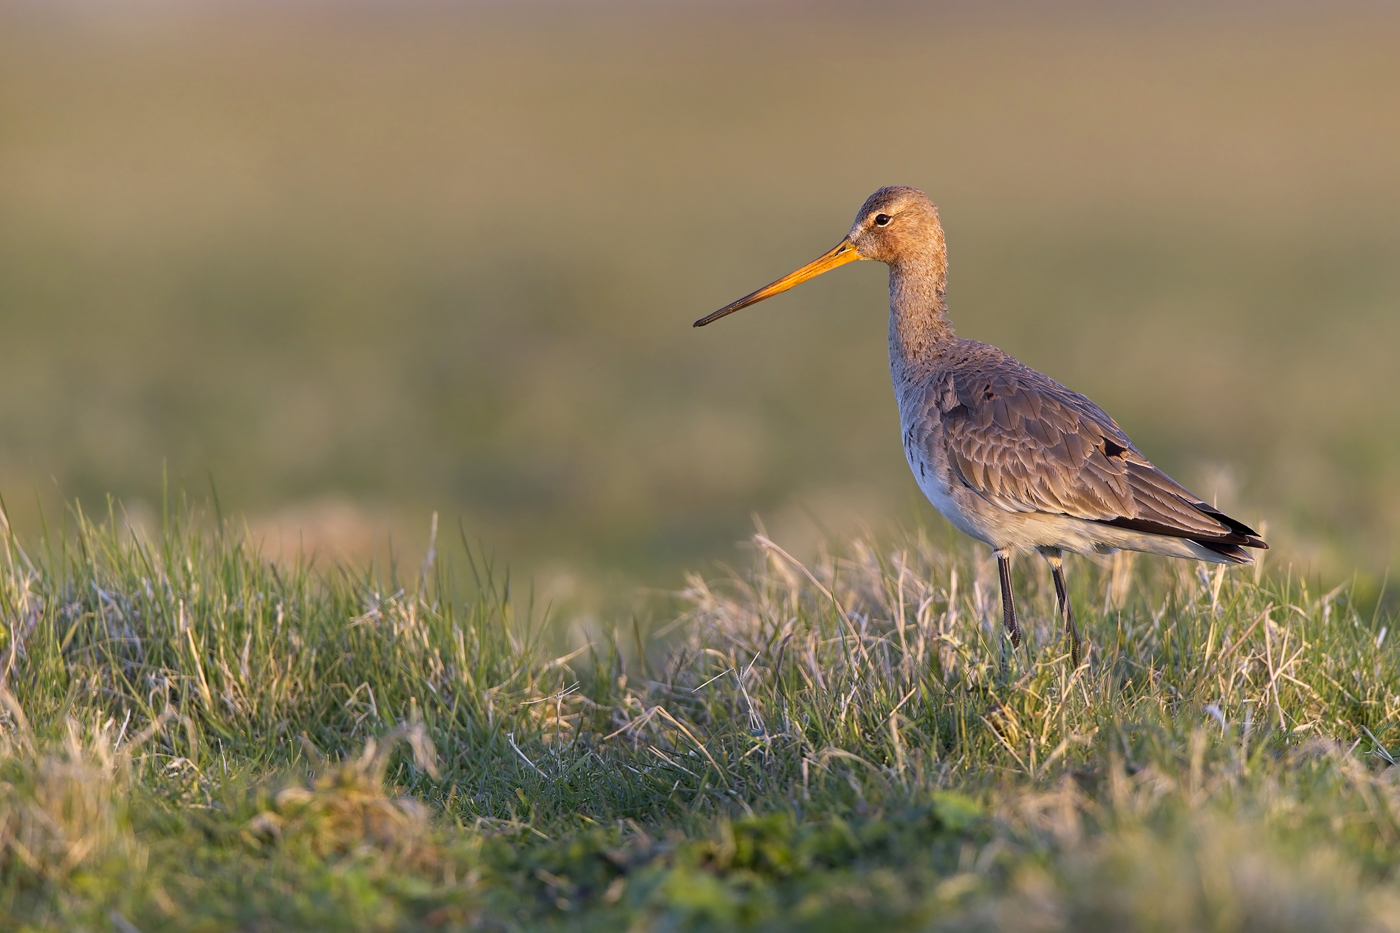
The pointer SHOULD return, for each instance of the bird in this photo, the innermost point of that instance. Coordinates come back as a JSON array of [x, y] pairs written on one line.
[[1008, 455]]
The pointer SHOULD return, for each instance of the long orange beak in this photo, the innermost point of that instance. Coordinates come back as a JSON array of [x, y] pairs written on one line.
[[842, 253]]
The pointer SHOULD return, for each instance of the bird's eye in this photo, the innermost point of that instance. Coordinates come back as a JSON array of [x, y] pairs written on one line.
[[881, 219]]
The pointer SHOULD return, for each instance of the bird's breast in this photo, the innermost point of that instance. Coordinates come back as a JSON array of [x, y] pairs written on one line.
[[924, 448]]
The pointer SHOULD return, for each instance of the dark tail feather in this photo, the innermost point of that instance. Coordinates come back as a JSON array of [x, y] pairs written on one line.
[[1229, 545], [1231, 552], [1251, 536]]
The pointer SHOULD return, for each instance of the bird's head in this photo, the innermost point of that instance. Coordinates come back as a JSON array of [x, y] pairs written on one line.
[[893, 224]]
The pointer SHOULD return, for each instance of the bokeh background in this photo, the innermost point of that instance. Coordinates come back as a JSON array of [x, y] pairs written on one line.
[[356, 263]]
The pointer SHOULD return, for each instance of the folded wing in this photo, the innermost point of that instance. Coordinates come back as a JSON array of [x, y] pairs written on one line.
[[1027, 444]]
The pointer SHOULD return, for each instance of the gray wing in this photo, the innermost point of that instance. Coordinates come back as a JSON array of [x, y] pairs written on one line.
[[1028, 444]]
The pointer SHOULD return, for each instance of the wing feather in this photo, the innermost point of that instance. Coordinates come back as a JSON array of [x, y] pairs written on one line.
[[1028, 444]]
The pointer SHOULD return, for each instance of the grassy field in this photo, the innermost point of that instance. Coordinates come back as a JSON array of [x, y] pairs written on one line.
[[195, 738], [358, 263]]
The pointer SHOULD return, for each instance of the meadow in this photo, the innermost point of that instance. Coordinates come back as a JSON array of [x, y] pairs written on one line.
[[196, 738], [463, 622]]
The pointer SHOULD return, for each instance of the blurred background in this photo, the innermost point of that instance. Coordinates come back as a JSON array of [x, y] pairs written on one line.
[[352, 264]]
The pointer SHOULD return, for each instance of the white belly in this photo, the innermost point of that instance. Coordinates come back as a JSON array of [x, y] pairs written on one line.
[[934, 482]]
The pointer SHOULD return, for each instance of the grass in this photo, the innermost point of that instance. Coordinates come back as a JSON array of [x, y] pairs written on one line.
[[196, 738], [361, 263]]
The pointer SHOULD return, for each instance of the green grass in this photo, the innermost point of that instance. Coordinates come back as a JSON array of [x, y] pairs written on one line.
[[359, 264], [195, 738]]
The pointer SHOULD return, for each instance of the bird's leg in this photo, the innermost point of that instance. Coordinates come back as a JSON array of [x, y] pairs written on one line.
[[1057, 570], [1008, 601]]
